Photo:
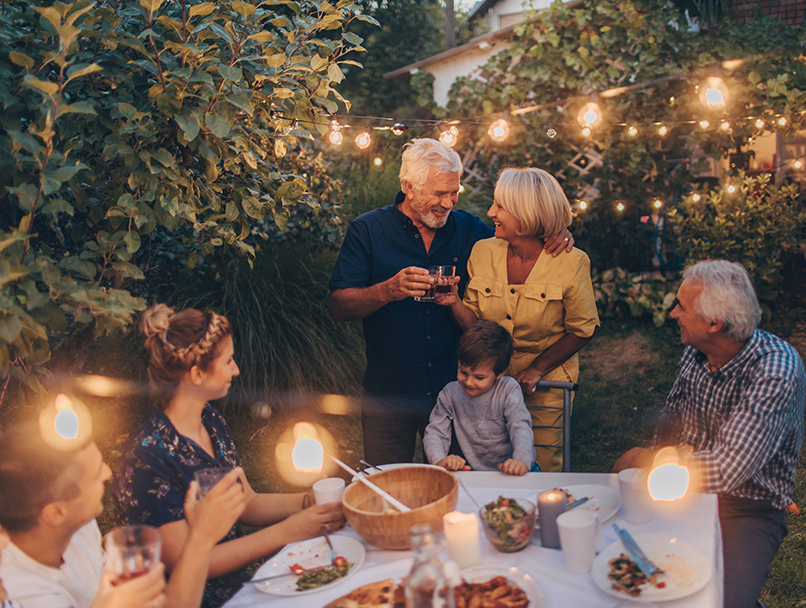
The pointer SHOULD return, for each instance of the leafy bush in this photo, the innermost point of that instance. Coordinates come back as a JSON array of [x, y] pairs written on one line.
[[170, 122], [757, 225], [636, 294]]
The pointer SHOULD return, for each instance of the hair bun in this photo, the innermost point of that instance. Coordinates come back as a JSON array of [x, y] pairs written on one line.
[[156, 320]]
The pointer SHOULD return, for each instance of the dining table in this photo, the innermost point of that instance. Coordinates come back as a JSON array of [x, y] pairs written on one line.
[[697, 525]]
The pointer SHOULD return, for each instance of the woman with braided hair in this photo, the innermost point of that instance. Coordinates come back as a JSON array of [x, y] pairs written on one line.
[[191, 363]]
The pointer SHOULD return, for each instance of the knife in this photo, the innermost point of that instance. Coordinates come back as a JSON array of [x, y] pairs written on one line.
[[639, 557]]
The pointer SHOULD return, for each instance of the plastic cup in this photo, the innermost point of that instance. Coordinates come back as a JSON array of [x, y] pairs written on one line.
[[328, 490], [580, 533], [635, 501]]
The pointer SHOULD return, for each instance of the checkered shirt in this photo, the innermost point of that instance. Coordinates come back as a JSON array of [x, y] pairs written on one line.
[[744, 421]]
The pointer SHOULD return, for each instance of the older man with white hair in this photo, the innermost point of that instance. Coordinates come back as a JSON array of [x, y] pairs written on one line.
[[383, 263], [736, 409]]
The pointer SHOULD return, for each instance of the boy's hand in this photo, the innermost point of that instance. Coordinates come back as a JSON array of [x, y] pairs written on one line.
[[215, 514], [513, 467], [452, 462]]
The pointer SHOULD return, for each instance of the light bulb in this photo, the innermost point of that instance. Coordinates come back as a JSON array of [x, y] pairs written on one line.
[[704, 124], [658, 203], [782, 121], [731, 188], [620, 206], [714, 93], [725, 126], [551, 133], [363, 140], [632, 131], [663, 130], [695, 198], [586, 131], [583, 205], [499, 130], [398, 128], [449, 137], [378, 161], [589, 114], [336, 137], [797, 164], [759, 123]]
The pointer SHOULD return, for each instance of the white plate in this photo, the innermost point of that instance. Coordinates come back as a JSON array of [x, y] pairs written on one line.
[[603, 500], [308, 554], [686, 569], [482, 574]]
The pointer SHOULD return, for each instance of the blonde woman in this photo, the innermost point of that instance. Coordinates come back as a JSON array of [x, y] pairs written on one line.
[[545, 302], [191, 362]]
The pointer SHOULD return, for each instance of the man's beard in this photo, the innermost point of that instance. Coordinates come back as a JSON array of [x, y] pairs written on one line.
[[428, 217]]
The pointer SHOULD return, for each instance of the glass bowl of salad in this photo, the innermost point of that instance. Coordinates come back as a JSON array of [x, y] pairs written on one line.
[[508, 523]]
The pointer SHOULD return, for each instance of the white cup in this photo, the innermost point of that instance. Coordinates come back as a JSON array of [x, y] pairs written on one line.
[[635, 502], [580, 533], [328, 490]]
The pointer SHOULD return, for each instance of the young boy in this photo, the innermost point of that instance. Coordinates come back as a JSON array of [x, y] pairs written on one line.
[[483, 408]]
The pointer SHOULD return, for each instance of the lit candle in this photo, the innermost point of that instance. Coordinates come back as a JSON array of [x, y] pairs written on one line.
[[462, 532], [549, 505]]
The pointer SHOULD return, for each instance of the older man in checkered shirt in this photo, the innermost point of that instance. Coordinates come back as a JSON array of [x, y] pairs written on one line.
[[737, 409]]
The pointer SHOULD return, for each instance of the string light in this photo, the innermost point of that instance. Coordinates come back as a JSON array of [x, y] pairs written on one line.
[[378, 161], [704, 124], [398, 128], [658, 203], [586, 131], [461, 188], [782, 121], [620, 206], [797, 164], [663, 130], [589, 115], [449, 137], [583, 205], [363, 140], [632, 131], [759, 123], [696, 198], [336, 136], [731, 188], [725, 126], [499, 130], [714, 93], [551, 133]]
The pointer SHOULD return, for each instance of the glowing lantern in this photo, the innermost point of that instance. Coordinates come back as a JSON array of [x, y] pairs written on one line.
[[499, 130], [714, 93], [668, 480], [65, 423], [589, 115], [300, 453]]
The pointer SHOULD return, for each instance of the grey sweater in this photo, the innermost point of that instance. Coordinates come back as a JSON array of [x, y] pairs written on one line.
[[490, 428]]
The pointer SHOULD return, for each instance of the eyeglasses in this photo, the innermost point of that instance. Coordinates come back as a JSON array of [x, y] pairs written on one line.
[[675, 304]]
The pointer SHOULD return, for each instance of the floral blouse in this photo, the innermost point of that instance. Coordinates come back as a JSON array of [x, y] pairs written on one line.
[[153, 476]]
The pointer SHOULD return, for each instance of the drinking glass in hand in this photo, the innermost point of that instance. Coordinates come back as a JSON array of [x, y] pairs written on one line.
[[208, 478], [132, 551], [443, 282]]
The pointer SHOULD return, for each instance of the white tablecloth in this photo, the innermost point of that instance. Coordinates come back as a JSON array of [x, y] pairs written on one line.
[[698, 526]]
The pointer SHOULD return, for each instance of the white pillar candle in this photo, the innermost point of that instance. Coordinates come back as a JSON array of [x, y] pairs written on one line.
[[549, 505], [462, 532]]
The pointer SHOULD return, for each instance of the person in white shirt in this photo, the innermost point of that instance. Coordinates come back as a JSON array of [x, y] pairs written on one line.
[[49, 500]]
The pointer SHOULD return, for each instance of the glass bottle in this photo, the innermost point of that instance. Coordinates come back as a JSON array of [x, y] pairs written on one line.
[[427, 586]]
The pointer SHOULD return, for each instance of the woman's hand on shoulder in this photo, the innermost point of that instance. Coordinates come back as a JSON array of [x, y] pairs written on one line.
[[555, 245], [214, 515]]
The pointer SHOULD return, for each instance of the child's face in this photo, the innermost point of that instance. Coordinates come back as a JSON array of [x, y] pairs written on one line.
[[478, 380]]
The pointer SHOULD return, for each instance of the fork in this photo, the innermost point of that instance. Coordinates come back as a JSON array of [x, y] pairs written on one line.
[[641, 560], [329, 544]]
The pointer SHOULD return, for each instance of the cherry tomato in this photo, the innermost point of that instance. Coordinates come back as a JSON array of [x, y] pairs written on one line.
[[505, 502], [296, 568], [339, 561], [660, 585]]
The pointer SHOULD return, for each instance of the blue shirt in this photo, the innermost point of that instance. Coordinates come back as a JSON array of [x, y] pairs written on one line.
[[153, 476], [411, 346], [744, 421]]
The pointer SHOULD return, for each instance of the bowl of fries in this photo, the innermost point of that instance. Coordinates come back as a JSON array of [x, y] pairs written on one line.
[[429, 492]]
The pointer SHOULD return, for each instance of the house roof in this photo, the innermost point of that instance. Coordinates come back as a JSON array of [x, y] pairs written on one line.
[[490, 37], [481, 7]]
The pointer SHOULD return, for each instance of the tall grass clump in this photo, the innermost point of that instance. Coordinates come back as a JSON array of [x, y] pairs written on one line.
[[286, 341]]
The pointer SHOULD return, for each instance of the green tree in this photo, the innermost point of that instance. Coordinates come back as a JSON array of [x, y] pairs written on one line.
[[168, 121]]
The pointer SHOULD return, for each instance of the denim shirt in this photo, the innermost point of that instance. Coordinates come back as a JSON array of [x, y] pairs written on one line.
[[411, 346]]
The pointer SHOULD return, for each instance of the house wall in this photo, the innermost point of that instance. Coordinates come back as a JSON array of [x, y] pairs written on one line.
[[507, 12], [446, 72]]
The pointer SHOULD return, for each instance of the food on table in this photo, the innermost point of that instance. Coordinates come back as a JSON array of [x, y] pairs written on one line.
[[625, 576], [508, 525], [498, 592], [383, 594], [322, 576]]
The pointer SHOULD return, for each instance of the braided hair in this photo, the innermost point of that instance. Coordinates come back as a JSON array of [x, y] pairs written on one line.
[[176, 341]]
